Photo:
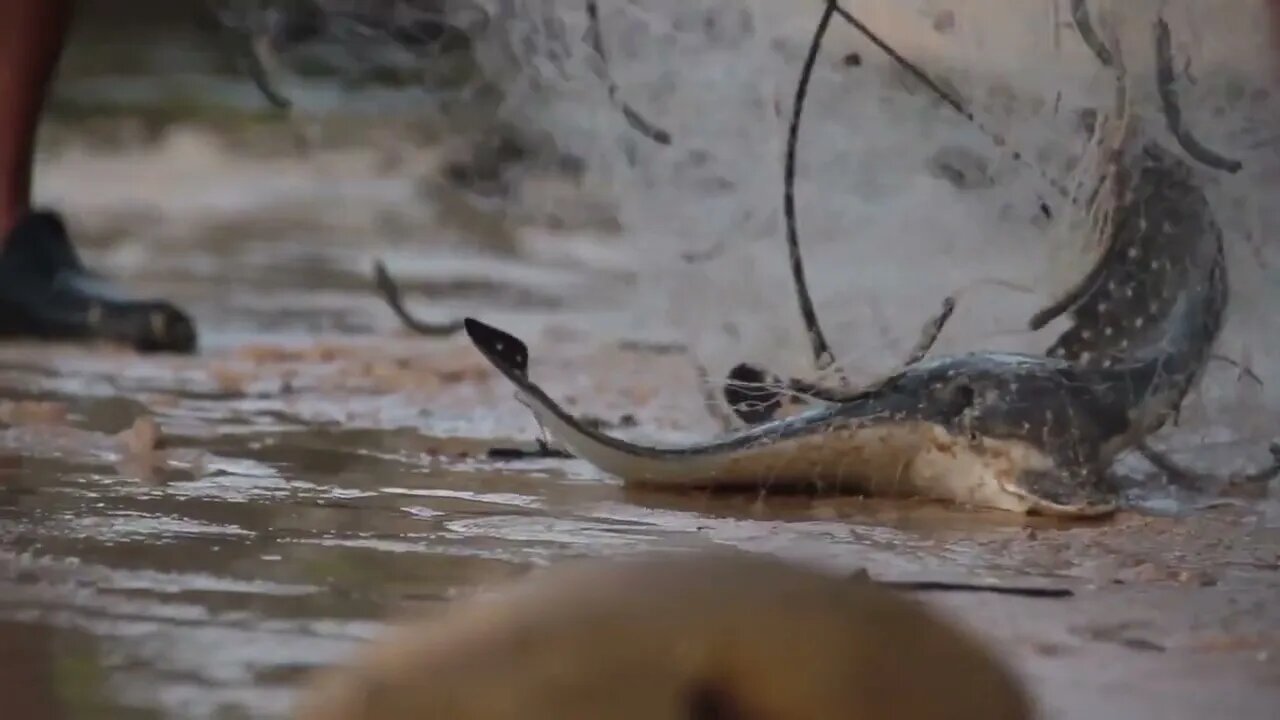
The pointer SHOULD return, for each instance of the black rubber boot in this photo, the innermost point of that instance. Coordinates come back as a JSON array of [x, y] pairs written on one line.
[[47, 293]]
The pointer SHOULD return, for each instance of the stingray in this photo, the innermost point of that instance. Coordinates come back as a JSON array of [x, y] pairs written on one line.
[[1020, 432]]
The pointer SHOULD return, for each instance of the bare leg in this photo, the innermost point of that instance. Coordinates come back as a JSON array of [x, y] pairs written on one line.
[[32, 33], [45, 290]]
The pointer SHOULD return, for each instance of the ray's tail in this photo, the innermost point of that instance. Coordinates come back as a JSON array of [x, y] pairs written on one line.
[[680, 465], [1160, 287]]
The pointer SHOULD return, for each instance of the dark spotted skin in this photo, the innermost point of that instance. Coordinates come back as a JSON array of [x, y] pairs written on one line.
[[1070, 414], [1158, 293], [1121, 308]]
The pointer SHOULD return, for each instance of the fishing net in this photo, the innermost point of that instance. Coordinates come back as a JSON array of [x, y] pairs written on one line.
[[677, 112]]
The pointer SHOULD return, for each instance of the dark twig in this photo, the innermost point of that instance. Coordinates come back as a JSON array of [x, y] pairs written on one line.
[[957, 586], [1173, 113], [246, 47], [257, 69], [1084, 26], [541, 451], [390, 292], [930, 332], [1245, 370], [251, 56], [822, 354], [943, 586], [637, 121]]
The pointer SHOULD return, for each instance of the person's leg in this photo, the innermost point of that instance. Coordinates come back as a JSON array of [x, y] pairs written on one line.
[[31, 37], [45, 291]]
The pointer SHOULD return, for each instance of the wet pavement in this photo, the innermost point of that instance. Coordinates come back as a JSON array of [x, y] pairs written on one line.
[[200, 532]]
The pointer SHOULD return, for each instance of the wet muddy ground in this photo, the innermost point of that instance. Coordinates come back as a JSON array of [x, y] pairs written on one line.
[[200, 532]]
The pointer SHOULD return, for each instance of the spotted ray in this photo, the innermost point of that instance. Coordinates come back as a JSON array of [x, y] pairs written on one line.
[[1009, 431], [1161, 250], [1016, 432], [990, 430]]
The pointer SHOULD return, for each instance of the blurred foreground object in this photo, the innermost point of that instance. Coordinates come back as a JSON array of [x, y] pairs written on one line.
[[719, 635]]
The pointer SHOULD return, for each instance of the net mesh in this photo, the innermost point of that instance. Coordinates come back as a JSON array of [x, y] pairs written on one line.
[[901, 202]]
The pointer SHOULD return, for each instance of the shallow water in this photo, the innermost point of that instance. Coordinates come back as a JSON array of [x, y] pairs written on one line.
[[322, 470]]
